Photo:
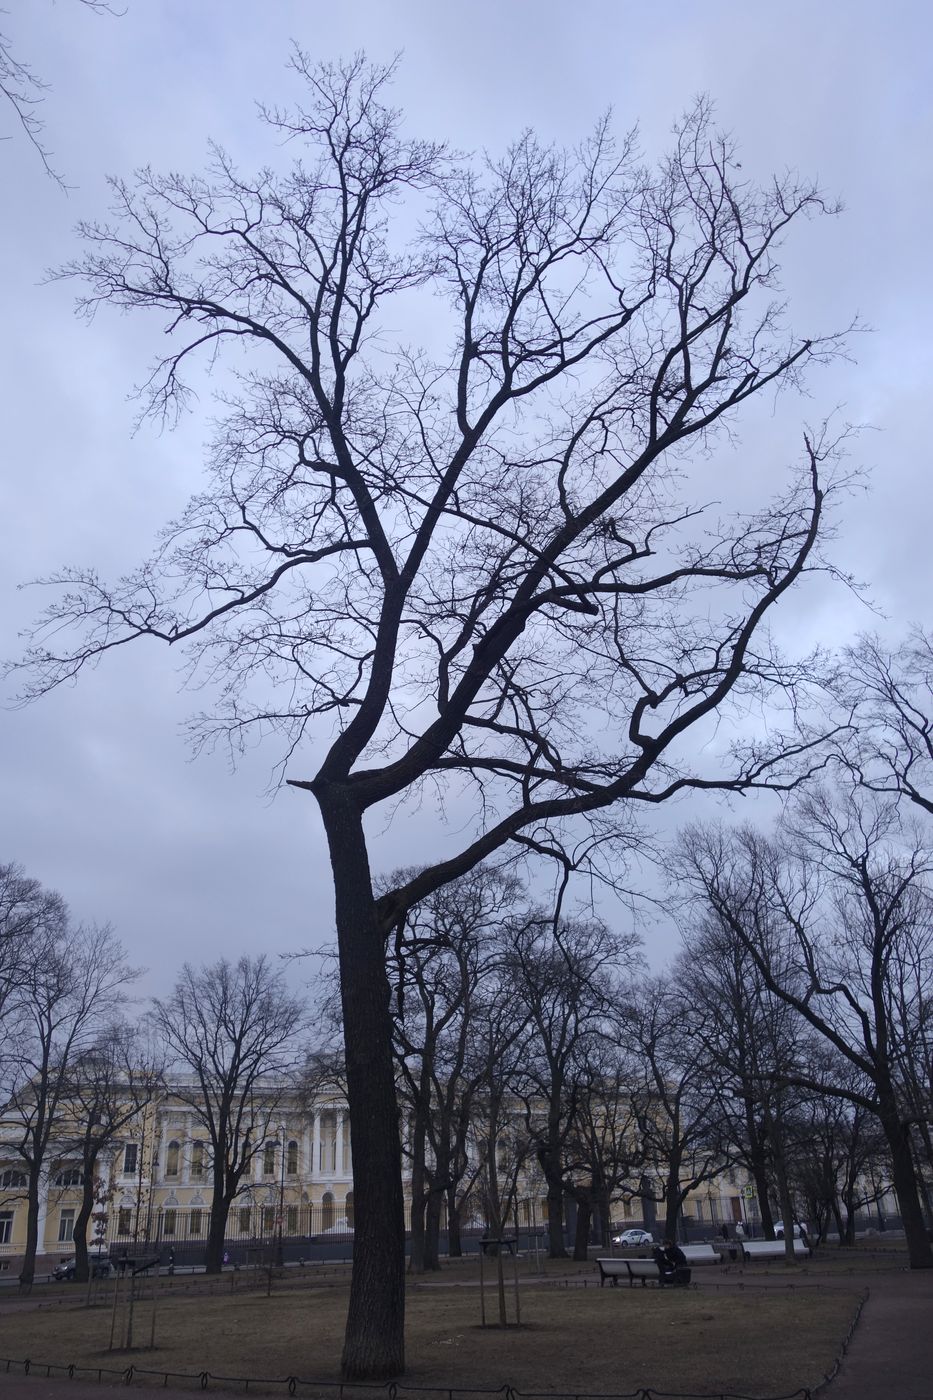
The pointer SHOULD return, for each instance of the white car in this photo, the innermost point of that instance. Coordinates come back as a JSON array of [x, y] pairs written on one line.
[[798, 1230], [641, 1237]]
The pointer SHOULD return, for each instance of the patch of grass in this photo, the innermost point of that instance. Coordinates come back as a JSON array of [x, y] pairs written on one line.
[[760, 1340]]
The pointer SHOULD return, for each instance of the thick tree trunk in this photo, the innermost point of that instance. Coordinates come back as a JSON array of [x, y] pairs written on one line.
[[782, 1179], [673, 1196], [418, 1196], [82, 1219], [217, 1228], [374, 1342], [552, 1166], [904, 1178], [28, 1272], [555, 1220]]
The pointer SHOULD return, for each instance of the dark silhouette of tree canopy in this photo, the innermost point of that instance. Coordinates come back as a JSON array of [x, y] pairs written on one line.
[[482, 560]]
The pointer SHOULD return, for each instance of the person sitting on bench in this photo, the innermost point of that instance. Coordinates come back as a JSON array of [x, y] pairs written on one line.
[[672, 1265]]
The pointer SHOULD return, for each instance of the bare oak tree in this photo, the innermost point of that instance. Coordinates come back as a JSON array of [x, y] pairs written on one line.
[[73, 984], [828, 924], [890, 692], [236, 1027], [458, 554], [675, 1102], [105, 1089]]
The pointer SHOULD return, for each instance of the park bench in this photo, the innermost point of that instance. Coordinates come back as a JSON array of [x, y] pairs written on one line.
[[612, 1269], [771, 1249], [644, 1270], [701, 1254]]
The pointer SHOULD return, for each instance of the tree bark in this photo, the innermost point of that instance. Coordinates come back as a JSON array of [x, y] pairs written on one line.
[[418, 1195], [217, 1227], [82, 1219], [28, 1272], [374, 1343], [581, 1237], [904, 1178]]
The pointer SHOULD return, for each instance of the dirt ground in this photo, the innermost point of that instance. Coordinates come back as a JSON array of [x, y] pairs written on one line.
[[764, 1334]]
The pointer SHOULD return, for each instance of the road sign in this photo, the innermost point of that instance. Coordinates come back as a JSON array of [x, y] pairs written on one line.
[[749, 1193]]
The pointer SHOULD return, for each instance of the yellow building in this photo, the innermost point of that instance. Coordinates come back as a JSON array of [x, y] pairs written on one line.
[[154, 1188]]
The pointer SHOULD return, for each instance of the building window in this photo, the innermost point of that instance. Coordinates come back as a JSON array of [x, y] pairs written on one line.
[[66, 1226], [124, 1220], [6, 1226], [268, 1219], [327, 1211], [291, 1220], [196, 1218], [70, 1176], [244, 1220], [268, 1159], [171, 1159], [130, 1159], [292, 1165], [12, 1178], [197, 1160], [168, 1223]]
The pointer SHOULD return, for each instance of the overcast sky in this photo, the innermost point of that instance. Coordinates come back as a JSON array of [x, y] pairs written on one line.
[[99, 796]]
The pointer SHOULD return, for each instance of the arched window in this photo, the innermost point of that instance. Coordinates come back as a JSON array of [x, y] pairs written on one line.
[[197, 1160], [292, 1162], [268, 1158], [349, 1209], [12, 1178], [171, 1159], [70, 1176], [327, 1211]]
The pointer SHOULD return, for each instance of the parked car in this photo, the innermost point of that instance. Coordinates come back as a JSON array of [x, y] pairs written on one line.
[[101, 1267], [641, 1237], [799, 1229]]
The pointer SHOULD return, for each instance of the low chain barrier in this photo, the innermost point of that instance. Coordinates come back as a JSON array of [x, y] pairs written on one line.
[[347, 1390], [834, 1369]]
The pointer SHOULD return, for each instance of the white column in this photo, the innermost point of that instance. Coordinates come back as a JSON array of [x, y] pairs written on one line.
[[316, 1146], [339, 1120], [43, 1212]]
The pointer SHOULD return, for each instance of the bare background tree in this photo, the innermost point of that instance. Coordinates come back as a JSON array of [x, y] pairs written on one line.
[[72, 985], [889, 691], [105, 1088], [565, 972], [24, 90], [237, 1028], [442, 969], [674, 1100], [460, 553], [831, 921]]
